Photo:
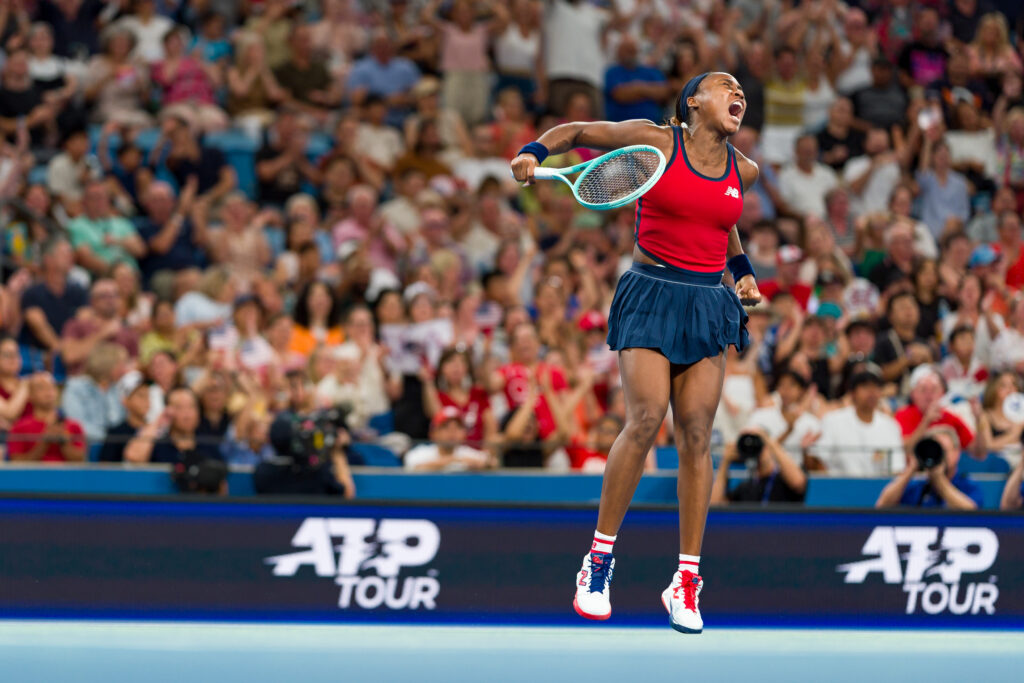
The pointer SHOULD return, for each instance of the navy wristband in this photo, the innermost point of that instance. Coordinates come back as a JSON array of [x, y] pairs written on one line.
[[739, 266], [536, 149]]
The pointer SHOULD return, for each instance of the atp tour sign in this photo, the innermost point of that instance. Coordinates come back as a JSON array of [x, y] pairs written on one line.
[[365, 558], [251, 559], [936, 569]]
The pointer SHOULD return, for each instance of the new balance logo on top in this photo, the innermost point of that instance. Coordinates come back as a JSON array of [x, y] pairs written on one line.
[[732, 192]]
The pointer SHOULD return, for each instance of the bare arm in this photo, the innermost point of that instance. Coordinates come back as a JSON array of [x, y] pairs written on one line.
[[720, 487], [893, 491], [954, 497], [599, 135], [12, 408], [40, 326], [790, 472], [1011, 499]]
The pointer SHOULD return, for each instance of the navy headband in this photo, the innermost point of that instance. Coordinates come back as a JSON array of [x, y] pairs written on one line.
[[689, 90]]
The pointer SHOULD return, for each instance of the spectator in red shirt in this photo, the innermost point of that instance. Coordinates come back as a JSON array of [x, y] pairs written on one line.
[[787, 275], [592, 455], [453, 387], [524, 368], [1010, 246], [14, 403], [98, 322], [925, 411], [57, 439]]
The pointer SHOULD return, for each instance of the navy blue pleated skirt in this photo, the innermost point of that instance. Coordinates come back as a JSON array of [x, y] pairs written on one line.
[[683, 314]]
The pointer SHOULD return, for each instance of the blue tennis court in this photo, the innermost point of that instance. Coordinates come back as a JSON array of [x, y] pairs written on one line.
[[106, 652]]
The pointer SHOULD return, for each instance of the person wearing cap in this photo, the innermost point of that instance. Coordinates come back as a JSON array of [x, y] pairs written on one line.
[[135, 399], [787, 276], [926, 410], [860, 440], [447, 451], [942, 485]]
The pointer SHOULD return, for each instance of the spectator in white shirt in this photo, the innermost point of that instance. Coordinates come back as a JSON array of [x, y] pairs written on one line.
[[805, 182], [447, 452], [789, 421], [860, 440], [379, 143], [872, 176], [964, 373], [1008, 349]]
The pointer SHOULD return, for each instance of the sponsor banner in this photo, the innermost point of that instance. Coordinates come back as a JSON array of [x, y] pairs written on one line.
[[260, 560]]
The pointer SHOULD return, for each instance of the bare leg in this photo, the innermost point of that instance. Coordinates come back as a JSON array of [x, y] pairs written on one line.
[[645, 386], [696, 390]]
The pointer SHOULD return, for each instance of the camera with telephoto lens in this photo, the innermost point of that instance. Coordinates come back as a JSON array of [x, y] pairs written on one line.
[[749, 447], [303, 444], [929, 453]]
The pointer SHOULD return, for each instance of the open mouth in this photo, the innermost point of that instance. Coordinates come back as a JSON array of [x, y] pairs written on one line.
[[736, 108]]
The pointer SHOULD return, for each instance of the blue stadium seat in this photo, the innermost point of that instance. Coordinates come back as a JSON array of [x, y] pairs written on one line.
[[992, 464], [384, 423], [667, 457], [372, 455]]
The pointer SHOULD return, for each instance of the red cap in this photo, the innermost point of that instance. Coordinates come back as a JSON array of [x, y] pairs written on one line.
[[446, 414], [592, 320]]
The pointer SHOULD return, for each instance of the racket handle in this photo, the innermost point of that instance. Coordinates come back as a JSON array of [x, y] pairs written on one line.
[[541, 173]]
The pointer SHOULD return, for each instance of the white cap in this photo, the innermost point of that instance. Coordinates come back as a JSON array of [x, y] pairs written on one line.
[[921, 372]]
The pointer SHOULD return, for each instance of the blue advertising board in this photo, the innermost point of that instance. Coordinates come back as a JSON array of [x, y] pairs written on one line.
[[269, 560]]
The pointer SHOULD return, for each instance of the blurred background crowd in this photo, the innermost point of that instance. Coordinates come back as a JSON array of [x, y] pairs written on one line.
[[218, 210]]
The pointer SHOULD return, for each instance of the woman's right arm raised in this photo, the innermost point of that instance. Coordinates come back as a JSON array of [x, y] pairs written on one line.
[[605, 135]]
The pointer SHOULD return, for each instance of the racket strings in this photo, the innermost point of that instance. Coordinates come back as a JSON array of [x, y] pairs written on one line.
[[617, 177]]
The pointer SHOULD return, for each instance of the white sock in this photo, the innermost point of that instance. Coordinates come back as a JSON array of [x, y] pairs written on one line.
[[603, 543], [689, 563]]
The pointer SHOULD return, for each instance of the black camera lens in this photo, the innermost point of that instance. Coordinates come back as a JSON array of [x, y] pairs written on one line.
[[929, 453], [749, 446]]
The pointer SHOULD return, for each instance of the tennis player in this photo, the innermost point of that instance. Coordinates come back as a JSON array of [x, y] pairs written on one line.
[[672, 317]]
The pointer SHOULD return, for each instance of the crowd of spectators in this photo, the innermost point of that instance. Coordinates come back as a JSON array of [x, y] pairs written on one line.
[[382, 259]]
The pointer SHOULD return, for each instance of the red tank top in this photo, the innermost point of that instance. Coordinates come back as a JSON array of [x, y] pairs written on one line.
[[685, 219]]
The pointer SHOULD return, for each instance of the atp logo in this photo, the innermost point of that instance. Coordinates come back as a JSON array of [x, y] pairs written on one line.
[[932, 567], [367, 558], [732, 192]]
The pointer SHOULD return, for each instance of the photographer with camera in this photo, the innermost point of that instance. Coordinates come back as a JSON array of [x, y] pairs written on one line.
[[937, 454], [772, 475], [173, 438], [310, 456]]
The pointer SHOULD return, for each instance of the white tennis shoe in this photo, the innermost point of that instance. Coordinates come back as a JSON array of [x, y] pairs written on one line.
[[594, 587], [682, 600]]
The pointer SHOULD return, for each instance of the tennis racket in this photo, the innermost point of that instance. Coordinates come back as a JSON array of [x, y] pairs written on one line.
[[613, 179]]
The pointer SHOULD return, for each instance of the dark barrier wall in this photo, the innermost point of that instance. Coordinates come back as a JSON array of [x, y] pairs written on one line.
[[259, 560]]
